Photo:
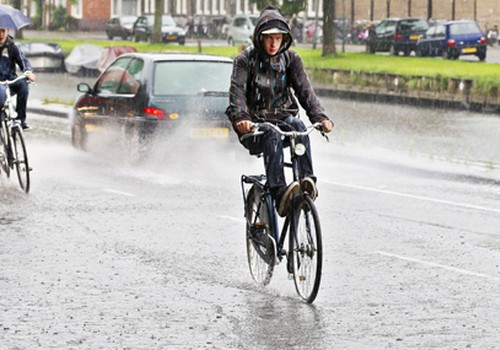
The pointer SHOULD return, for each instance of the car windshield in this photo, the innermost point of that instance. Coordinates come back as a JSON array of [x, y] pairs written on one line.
[[464, 28], [165, 21], [413, 24], [191, 78], [128, 20]]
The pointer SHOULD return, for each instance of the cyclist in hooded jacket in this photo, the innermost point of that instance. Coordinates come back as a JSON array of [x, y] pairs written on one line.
[[262, 81]]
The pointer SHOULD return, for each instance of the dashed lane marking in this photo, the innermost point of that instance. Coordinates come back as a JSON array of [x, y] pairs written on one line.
[[122, 193], [400, 194], [445, 267], [232, 218]]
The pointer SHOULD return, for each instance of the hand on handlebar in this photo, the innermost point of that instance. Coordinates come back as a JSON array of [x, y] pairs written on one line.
[[30, 76], [327, 125], [245, 126]]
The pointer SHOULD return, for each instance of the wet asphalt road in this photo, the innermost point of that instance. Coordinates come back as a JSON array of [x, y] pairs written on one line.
[[105, 253]]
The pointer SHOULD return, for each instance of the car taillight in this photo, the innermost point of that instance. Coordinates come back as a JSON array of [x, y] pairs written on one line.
[[451, 43], [152, 112], [482, 40], [398, 37]]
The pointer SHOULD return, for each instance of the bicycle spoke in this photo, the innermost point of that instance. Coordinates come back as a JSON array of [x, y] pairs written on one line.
[[21, 160], [260, 246], [306, 251]]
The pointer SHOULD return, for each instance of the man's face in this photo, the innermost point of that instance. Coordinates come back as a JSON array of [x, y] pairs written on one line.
[[272, 43], [4, 32]]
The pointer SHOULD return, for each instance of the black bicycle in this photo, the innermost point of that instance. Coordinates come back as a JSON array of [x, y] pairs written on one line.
[[13, 152], [264, 240]]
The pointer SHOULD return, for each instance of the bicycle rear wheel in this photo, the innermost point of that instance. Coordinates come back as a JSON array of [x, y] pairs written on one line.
[[21, 159], [261, 251], [306, 250], [5, 148]]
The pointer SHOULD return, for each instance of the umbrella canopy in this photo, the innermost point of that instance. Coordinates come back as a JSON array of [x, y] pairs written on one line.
[[12, 18]]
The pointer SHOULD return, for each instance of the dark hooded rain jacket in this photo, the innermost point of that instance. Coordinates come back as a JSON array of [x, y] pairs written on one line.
[[260, 82]]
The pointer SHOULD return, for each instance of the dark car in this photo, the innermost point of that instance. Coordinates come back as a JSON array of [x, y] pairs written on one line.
[[142, 95], [395, 35], [453, 39], [143, 29], [120, 27]]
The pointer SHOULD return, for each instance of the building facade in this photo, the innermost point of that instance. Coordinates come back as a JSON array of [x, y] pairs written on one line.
[[92, 14]]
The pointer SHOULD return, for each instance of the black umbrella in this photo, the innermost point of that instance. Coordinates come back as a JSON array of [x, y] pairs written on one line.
[[12, 18]]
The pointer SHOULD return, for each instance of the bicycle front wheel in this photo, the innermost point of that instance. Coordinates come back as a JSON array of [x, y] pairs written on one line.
[[21, 159], [261, 251], [306, 250], [5, 152]]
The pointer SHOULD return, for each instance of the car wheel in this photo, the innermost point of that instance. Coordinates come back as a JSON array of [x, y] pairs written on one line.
[[407, 52], [136, 38], [370, 48], [124, 36], [482, 56], [446, 55], [392, 51], [230, 41], [419, 53], [78, 137], [110, 37], [182, 42]]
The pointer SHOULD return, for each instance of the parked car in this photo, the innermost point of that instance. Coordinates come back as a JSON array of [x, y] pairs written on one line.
[[143, 29], [43, 56], [453, 39], [241, 29], [120, 27], [143, 95], [395, 35]]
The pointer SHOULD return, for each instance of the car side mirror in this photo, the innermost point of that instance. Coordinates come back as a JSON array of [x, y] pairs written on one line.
[[83, 87]]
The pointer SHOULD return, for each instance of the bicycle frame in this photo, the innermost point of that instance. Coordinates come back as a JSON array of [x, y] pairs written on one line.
[[14, 146], [260, 181]]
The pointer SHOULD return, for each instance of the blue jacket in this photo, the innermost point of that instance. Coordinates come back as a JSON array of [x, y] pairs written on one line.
[[10, 56]]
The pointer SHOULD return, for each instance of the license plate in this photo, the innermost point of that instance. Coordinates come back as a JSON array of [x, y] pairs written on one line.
[[469, 50], [209, 133], [92, 128], [171, 37], [414, 37]]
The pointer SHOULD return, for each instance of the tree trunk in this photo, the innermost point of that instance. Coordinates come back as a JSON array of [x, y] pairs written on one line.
[[329, 47], [17, 5], [159, 9]]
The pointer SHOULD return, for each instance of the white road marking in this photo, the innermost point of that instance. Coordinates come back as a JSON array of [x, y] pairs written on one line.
[[122, 193], [445, 267], [232, 218], [429, 199]]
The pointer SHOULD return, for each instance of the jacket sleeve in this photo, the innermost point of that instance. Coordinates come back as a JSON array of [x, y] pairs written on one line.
[[238, 105], [299, 80], [21, 60]]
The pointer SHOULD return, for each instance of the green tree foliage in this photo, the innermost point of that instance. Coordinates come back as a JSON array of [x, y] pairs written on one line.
[[263, 3], [293, 7]]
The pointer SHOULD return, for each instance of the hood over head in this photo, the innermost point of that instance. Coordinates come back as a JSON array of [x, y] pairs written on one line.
[[271, 22]]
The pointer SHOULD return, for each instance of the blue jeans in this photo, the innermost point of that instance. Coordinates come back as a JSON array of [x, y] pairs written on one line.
[[271, 145], [22, 91]]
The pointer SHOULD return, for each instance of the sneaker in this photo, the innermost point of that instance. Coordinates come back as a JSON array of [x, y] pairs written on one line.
[[285, 198], [308, 185], [25, 125]]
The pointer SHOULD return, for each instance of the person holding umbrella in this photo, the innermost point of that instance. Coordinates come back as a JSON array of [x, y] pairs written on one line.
[[10, 57]]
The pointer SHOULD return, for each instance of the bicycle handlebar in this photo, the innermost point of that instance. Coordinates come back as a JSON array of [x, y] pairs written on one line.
[[10, 82], [261, 127]]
